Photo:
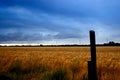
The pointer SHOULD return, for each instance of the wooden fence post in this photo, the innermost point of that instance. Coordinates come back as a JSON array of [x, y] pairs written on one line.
[[92, 71]]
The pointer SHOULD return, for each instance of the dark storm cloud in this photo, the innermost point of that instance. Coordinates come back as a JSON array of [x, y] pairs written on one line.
[[22, 20], [22, 37], [104, 11], [12, 37]]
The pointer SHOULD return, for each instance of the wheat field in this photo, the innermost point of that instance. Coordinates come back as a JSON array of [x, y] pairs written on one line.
[[58, 63]]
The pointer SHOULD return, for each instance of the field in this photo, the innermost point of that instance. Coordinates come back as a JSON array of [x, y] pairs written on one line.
[[58, 63]]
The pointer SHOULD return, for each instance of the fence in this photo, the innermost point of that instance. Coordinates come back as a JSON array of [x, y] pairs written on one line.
[[92, 71]]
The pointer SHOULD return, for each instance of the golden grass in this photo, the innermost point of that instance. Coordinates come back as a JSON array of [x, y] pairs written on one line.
[[31, 63]]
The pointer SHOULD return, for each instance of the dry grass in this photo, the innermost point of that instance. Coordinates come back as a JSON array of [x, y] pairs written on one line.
[[38, 63]]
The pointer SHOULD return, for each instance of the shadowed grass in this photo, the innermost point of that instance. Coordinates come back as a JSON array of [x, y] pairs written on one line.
[[57, 74]]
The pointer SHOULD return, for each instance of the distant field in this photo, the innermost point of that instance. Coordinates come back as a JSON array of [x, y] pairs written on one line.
[[57, 63]]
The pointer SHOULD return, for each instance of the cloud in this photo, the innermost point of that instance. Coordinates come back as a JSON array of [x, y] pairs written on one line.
[[23, 20], [103, 11], [17, 36]]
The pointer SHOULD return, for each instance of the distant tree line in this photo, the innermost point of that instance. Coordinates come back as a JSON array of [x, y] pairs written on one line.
[[112, 43]]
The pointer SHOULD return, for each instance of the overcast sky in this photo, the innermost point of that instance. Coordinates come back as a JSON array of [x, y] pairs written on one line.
[[59, 21]]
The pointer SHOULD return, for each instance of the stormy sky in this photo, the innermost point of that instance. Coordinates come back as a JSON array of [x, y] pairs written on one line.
[[58, 21]]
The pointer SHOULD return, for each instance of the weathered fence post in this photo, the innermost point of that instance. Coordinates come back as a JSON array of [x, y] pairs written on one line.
[[92, 71]]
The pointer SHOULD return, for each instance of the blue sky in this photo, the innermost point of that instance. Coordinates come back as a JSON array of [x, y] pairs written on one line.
[[58, 21]]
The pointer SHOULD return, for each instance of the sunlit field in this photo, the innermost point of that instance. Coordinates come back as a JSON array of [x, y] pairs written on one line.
[[58, 63]]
